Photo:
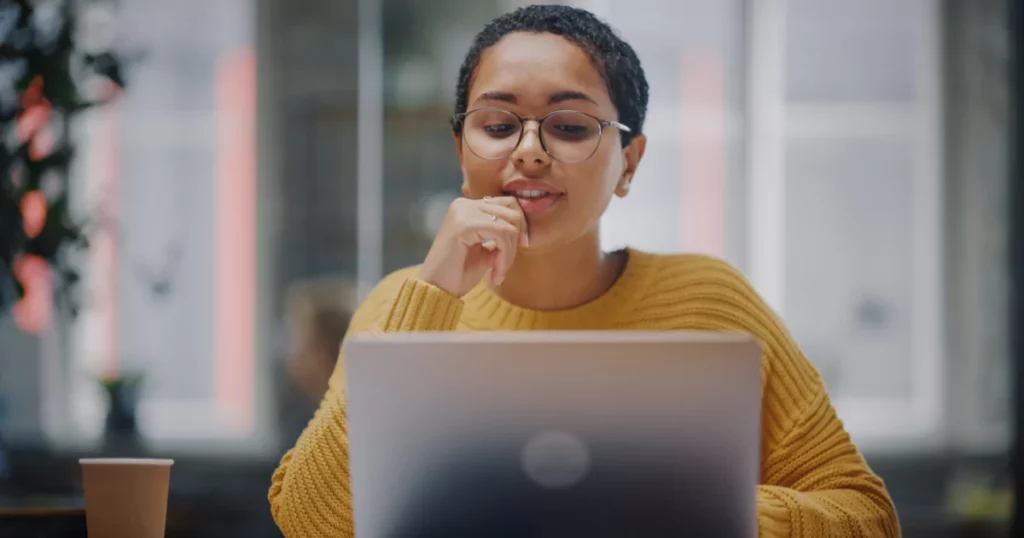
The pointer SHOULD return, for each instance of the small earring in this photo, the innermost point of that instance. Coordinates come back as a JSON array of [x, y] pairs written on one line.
[[625, 187]]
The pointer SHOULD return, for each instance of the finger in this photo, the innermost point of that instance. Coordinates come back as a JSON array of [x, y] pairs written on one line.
[[479, 227], [511, 216], [507, 207], [505, 255], [495, 272], [499, 237], [492, 235], [519, 219], [503, 212], [495, 257]]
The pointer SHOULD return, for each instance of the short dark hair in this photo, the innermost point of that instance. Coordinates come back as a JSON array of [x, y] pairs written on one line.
[[614, 58]]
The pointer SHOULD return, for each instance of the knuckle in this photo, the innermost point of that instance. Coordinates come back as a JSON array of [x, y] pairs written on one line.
[[461, 223], [454, 209]]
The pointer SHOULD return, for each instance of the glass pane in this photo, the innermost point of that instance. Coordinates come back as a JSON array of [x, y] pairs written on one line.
[[856, 51], [310, 131], [848, 264], [170, 282], [689, 193], [319, 192], [423, 50]]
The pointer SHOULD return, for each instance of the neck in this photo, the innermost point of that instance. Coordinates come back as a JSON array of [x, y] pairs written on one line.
[[560, 278]]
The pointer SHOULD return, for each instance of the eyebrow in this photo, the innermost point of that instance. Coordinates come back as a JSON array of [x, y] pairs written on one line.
[[559, 97], [562, 97], [497, 96]]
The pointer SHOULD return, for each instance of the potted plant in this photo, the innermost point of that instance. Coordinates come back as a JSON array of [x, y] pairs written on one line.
[[52, 67], [122, 397], [56, 60]]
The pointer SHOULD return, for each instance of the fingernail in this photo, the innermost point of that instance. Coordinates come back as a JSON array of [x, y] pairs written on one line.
[[525, 240], [498, 280]]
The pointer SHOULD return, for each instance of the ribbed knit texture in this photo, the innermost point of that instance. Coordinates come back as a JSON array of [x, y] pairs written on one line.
[[814, 481]]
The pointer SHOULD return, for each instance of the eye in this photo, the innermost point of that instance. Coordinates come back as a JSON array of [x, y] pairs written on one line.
[[572, 129], [500, 129], [571, 126]]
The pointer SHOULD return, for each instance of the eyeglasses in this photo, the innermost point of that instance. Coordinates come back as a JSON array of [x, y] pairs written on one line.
[[568, 136]]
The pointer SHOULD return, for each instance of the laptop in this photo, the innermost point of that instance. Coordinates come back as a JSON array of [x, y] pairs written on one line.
[[560, 434]]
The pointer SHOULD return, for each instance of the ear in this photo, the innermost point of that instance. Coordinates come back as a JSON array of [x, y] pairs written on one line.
[[631, 156], [458, 150]]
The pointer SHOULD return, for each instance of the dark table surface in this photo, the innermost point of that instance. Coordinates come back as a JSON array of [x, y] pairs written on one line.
[[41, 506], [42, 516]]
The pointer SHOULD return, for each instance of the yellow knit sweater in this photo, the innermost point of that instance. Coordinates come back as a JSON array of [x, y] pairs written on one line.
[[814, 482]]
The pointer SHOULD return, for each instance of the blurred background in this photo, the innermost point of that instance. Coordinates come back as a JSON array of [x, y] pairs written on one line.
[[264, 162]]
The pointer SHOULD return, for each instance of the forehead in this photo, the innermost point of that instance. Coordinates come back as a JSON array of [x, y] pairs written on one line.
[[533, 66]]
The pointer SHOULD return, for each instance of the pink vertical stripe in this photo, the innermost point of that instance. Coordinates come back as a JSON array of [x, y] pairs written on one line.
[[33, 313], [103, 255], [702, 220], [235, 214]]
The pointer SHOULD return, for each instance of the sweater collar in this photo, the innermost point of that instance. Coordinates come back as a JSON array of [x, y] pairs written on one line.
[[486, 310]]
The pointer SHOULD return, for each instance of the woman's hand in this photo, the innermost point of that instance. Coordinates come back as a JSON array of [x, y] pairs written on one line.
[[476, 236]]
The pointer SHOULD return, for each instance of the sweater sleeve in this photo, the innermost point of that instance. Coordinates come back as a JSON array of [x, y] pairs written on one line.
[[817, 485], [310, 495], [814, 482]]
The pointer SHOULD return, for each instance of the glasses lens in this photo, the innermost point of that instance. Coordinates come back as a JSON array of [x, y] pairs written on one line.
[[491, 133], [571, 136]]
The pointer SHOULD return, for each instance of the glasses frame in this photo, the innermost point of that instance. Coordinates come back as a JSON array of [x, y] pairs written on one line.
[[459, 121]]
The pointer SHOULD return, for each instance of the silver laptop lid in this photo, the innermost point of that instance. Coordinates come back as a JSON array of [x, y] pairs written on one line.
[[554, 433]]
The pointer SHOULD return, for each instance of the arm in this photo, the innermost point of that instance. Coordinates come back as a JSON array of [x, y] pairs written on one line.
[[814, 481], [310, 494]]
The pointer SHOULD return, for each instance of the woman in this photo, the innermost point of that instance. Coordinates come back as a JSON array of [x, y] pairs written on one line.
[[549, 110]]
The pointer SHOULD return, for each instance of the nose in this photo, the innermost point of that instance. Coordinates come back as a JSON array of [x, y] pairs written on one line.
[[530, 150]]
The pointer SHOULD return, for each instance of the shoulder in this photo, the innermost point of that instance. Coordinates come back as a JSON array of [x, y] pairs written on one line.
[[380, 298], [686, 274], [392, 281], [698, 292], [694, 265], [701, 292]]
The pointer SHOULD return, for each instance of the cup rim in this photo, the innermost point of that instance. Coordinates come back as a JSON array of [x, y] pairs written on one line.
[[126, 461]]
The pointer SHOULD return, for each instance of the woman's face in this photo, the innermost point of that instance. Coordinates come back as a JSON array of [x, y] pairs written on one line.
[[533, 74]]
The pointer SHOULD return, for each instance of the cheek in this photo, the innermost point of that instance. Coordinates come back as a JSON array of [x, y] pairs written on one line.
[[613, 168], [482, 177], [599, 175]]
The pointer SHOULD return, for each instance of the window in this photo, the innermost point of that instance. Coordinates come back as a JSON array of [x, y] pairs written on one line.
[[847, 206], [170, 280], [801, 141]]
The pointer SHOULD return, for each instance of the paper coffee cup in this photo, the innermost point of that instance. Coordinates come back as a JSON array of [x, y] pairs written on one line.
[[125, 498]]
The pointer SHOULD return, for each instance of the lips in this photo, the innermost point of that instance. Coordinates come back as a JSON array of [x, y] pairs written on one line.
[[534, 196]]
